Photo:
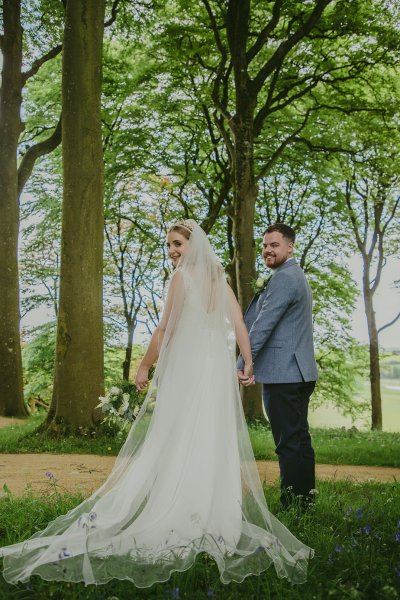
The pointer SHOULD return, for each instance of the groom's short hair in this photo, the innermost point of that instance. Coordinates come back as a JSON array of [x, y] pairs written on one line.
[[285, 230]]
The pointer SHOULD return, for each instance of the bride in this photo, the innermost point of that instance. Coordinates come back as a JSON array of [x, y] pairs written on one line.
[[185, 481]]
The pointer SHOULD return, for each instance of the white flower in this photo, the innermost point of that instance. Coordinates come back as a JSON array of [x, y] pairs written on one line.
[[124, 406], [136, 410], [125, 397], [103, 402], [114, 391], [260, 282]]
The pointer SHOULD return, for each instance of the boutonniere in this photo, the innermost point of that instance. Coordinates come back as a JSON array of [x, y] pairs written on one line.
[[258, 285]]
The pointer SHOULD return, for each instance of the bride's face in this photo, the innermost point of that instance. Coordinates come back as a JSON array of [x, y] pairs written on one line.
[[177, 246]]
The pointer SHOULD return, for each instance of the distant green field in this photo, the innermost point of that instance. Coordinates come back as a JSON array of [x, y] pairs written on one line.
[[327, 416]]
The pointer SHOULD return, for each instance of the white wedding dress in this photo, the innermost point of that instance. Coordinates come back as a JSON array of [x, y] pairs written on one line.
[[185, 481]]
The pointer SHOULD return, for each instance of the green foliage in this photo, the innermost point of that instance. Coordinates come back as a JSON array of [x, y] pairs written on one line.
[[353, 529], [341, 371], [337, 446], [38, 363]]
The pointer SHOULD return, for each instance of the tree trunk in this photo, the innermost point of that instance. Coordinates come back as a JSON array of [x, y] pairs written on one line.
[[244, 202], [128, 352], [79, 372], [374, 366], [11, 393]]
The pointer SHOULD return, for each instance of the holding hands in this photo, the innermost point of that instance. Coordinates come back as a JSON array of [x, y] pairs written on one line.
[[246, 377]]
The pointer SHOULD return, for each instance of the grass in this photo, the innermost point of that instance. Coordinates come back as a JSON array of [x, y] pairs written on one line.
[[22, 438], [334, 446], [339, 446], [354, 529]]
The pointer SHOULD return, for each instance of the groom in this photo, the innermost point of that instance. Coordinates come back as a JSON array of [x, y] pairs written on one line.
[[280, 324]]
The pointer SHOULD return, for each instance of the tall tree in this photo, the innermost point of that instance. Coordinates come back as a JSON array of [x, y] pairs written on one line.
[[12, 181], [11, 397], [372, 194], [78, 380], [272, 68]]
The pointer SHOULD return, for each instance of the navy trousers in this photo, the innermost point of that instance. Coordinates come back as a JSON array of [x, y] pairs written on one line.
[[286, 405]]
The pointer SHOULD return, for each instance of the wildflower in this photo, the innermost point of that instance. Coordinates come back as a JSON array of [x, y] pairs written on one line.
[[64, 553], [367, 529], [359, 513], [396, 536], [114, 391], [349, 510], [49, 475], [313, 492], [175, 593], [29, 586], [210, 593], [338, 548]]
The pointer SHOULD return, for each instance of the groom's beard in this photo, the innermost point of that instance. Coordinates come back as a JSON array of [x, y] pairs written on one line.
[[275, 262]]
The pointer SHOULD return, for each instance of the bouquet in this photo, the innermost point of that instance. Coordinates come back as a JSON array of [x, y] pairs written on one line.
[[121, 404]]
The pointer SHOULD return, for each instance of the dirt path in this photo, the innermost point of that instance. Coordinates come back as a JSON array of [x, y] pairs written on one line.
[[85, 472]]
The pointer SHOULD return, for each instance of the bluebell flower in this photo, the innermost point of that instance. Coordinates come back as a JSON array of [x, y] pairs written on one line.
[[367, 529], [29, 586], [338, 548], [175, 593], [64, 553], [359, 513], [397, 536], [210, 593]]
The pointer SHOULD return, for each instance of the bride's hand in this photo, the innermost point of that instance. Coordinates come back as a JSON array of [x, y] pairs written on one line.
[[142, 378]]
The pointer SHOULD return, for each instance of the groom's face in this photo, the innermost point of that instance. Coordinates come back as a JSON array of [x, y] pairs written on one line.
[[276, 249]]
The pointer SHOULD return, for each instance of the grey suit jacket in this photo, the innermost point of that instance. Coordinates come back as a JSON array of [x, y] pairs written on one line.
[[279, 321]]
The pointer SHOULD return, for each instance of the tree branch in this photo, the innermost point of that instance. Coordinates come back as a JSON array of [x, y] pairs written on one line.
[[114, 13], [40, 61], [284, 48], [263, 35], [34, 152], [392, 322], [282, 147]]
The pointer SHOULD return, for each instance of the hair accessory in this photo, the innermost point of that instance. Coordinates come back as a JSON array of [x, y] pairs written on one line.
[[187, 224]]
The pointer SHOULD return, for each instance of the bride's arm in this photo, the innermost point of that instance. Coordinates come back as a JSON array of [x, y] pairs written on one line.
[[242, 336], [153, 349]]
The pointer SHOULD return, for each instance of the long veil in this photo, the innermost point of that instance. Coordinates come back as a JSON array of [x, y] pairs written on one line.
[[185, 480]]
